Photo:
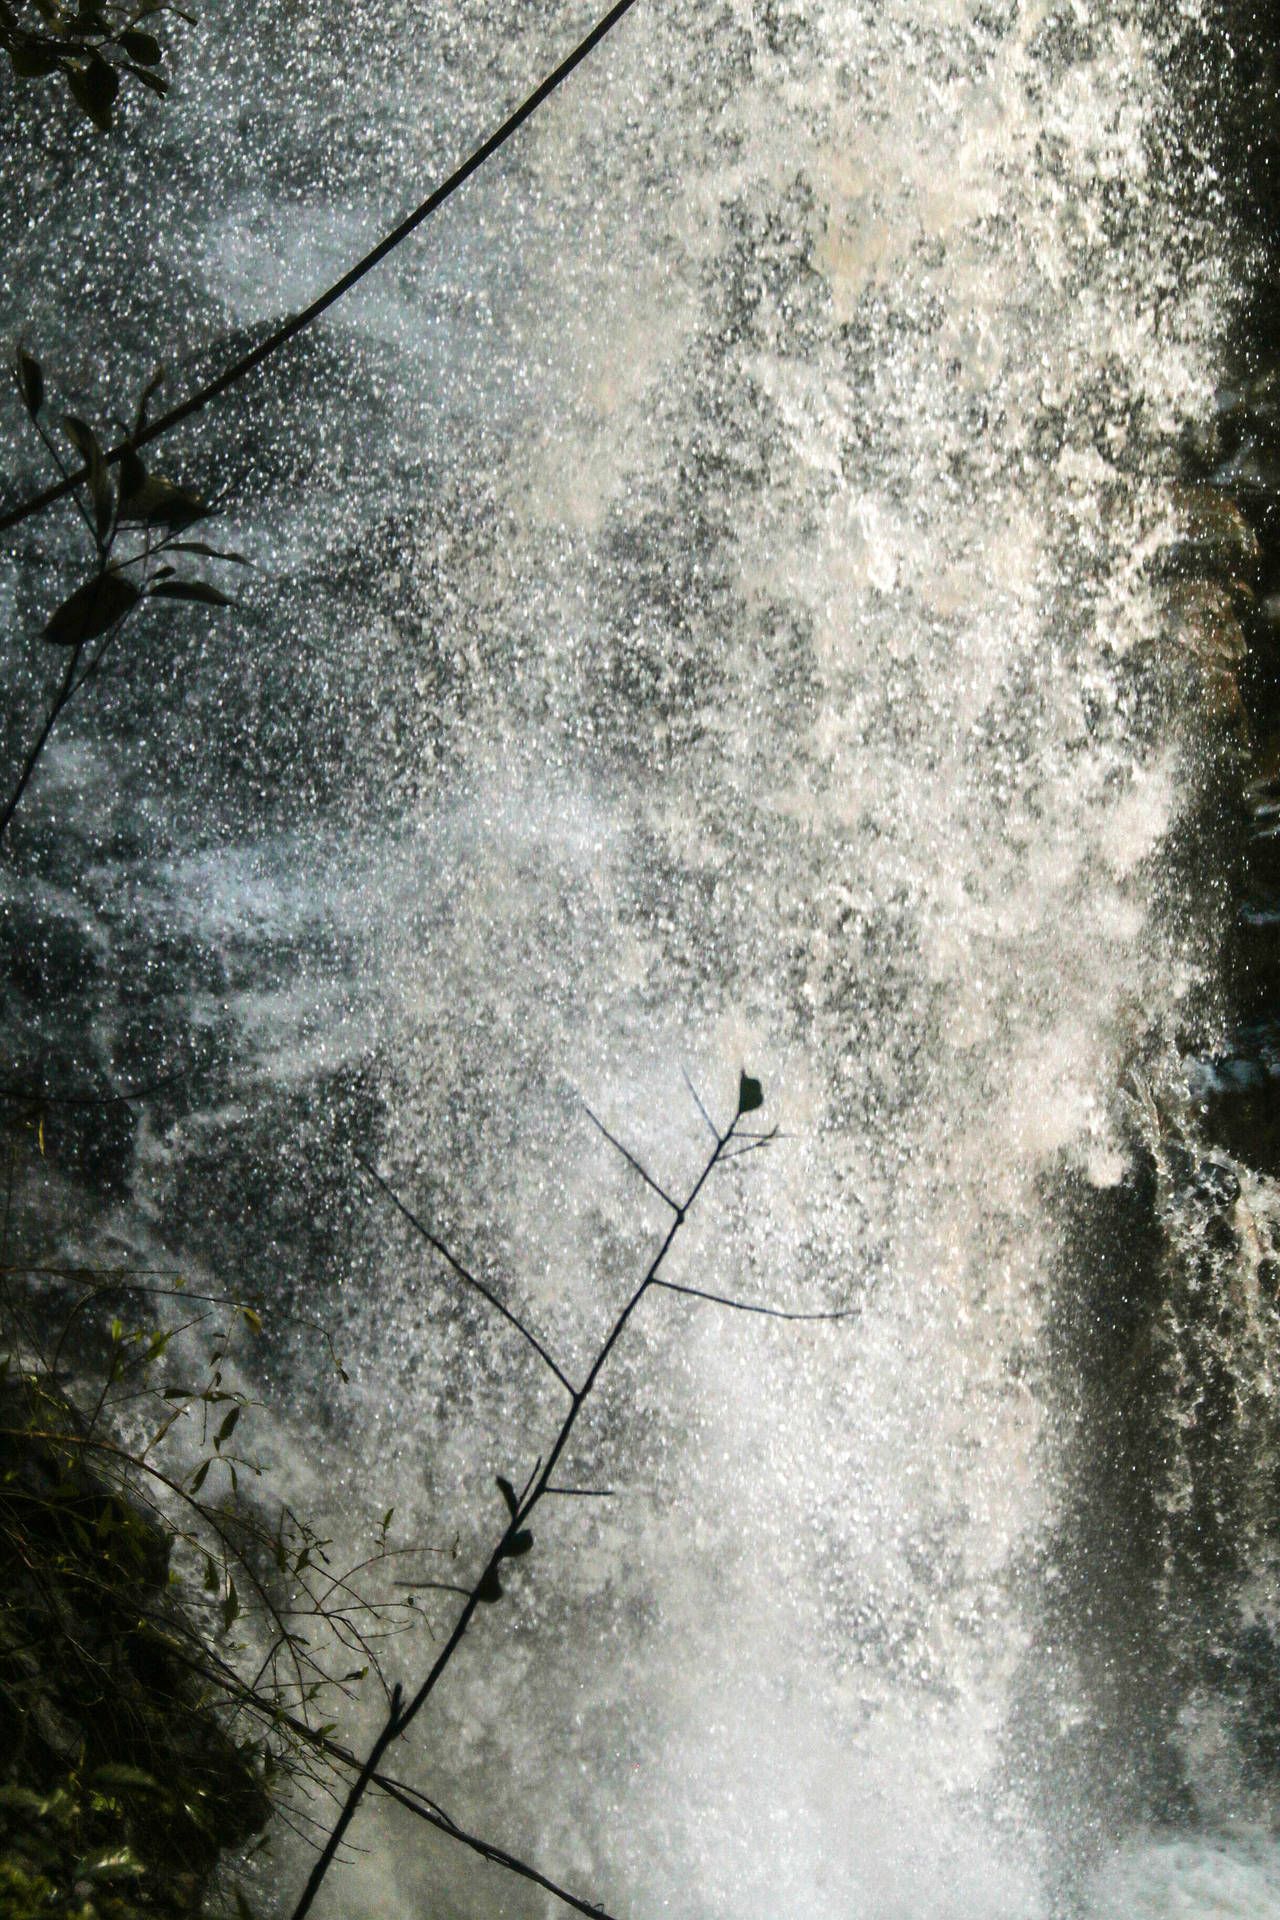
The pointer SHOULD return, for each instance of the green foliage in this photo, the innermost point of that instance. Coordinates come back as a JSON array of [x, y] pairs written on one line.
[[90, 46]]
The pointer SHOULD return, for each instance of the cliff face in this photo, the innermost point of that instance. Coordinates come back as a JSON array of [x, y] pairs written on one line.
[[119, 1786]]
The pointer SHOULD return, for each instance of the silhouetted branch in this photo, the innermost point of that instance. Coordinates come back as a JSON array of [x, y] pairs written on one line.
[[746, 1306], [715, 1135], [516, 1539], [631, 1160], [24, 1097], [485, 1292], [65, 690]]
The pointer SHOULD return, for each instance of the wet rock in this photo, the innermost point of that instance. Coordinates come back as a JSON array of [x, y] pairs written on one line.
[[1214, 534], [1205, 619]]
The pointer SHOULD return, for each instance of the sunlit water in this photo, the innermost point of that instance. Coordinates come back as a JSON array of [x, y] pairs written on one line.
[[708, 616]]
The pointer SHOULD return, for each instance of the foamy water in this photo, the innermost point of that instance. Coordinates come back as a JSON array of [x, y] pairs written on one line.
[[754, 496]]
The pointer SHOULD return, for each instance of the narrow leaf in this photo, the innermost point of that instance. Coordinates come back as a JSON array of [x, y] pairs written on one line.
[[190, 590], [91, 609], [88, 446], [508, 1493], [210, 553], [156, 81], [94, 88], [30, 381], [147, 396]]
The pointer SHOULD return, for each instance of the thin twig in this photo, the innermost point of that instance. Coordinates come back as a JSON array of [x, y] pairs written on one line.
[[212, 389], [631, 1160], [462, 1273], [487, 1587], [715, 1133], [21, 1096], [65, 688], [746, 1306]]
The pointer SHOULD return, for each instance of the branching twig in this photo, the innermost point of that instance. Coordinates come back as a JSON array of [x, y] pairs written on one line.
[[516, 1539]]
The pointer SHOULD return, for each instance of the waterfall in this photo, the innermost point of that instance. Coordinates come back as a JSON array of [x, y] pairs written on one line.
[[711, 610]]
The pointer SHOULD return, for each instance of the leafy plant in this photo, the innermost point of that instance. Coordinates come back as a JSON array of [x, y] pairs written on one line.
[[138, 524], [91, 46]]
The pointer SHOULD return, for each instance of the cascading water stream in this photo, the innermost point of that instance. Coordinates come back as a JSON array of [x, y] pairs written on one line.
[[709, 614]]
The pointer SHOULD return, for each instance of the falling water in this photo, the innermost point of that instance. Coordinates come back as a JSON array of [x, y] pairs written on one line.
[[710, 611]]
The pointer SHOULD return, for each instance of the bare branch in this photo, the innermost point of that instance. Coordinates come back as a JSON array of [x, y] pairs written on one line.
[[715, 1131], [514, 1539], [485, 1292], [497, 1856], [746, 1306], [631, 1160], [29, 1097]]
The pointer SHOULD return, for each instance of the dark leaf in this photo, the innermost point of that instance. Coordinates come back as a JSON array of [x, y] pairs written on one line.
[[133, 475], [30, 381], [94, 86], [31, 63], [88, 446], [490, 1588], [208, 596], [156, 81], [200, 1475], [160, 503], [210, 553], [750, 1094], [91, 610], [230, 1606], [519, 1543], [508, 1493], [227, 1428], [143, 47], [82, 437]]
